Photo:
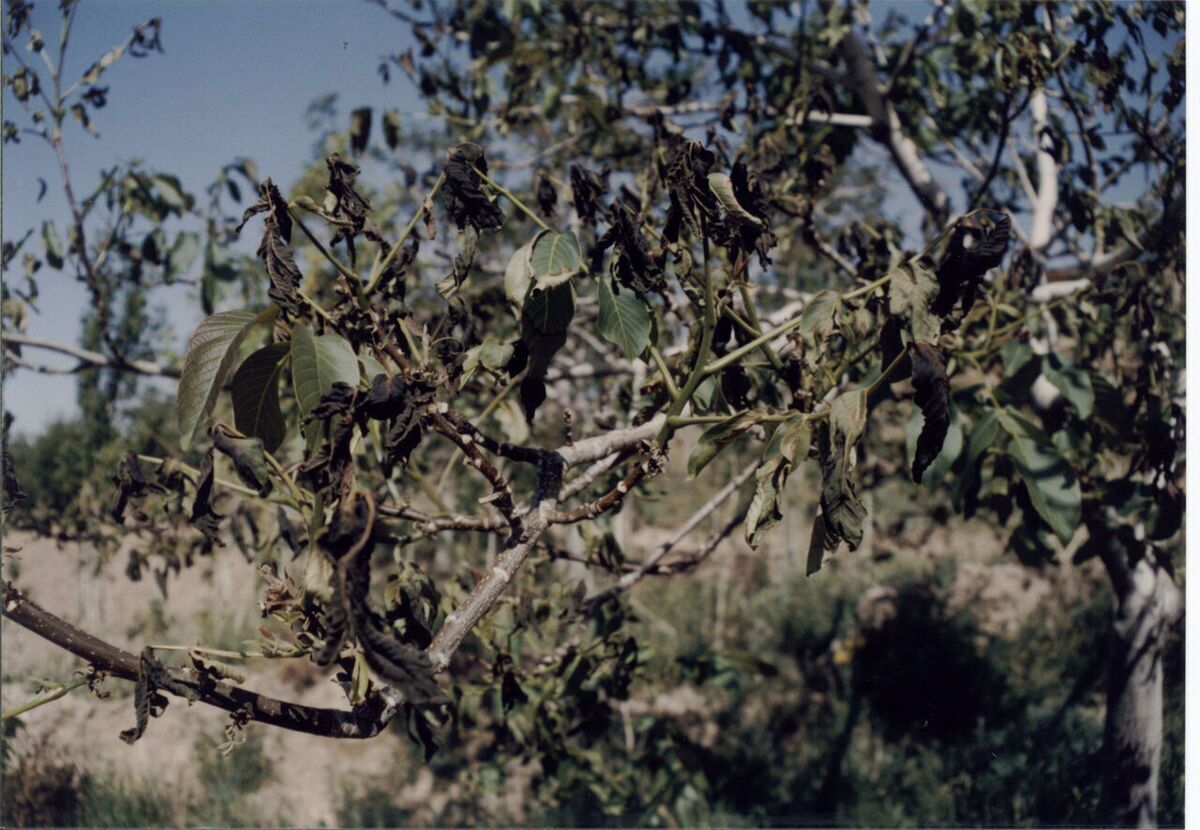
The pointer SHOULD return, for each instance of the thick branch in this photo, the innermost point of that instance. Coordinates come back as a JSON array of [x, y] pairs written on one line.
[[863, 81], [366, 722]]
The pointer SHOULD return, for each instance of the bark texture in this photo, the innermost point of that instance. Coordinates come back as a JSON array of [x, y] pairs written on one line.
[[1148, 605]]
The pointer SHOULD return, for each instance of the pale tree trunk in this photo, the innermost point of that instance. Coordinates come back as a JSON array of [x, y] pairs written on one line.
[[1148, 605]]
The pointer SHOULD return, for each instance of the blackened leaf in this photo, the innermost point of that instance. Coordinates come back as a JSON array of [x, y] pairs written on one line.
[[339, 400], [247, 456], [547, 196], [975, 244], [141, 709], [255, 393], [285, 276], [632, 265], [387, 398], [391, 129], [293, 534], [360, 129], [204, 517], [587, 189], [211, 353], [552, 310], [933, 397], [348, 203], [132, 484], [817, 545], [692, 199], [407, 667], [465, 199]]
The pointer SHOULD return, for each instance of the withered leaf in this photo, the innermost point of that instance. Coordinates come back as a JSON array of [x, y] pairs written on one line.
[[933, 397], [841, 508], [132, 485], [147, 701], [386, 398], [692, 200], [339, 400], [273, 250], [587, 189], [360, 129], [204, 517], [291, 532], [976, 245], [465, 199], [547, 196], [633, 266], [247, 456]]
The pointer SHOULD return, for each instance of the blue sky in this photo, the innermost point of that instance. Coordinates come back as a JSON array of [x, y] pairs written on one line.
[[234, 80]]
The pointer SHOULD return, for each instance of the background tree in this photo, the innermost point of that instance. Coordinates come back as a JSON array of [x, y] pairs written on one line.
[[687, 245]]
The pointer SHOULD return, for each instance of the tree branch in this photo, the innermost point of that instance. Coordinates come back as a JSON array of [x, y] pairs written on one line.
[[365, 722], [863, 81], [88, 358]]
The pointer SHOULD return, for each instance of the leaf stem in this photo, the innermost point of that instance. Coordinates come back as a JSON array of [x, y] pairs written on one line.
[[277, 468], [378, 271], [517, 203], [706, 337], [46, 697], [661, 363], [342, 269]]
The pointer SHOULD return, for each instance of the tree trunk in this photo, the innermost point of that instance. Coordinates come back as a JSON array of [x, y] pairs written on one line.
[[1148, 605]]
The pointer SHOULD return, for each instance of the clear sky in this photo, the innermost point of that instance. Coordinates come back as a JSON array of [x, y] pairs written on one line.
[[234, 80]]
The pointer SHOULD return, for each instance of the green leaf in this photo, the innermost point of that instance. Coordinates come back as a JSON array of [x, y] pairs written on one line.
[[818, 314], [848, 414], [982, 436], [370, 367], [1052, 485], [318, 363], [717, 438], [171, 192], [491, 353], [551, 311], [518, 277], [624, 318], [722, 187], [1072, 381], [108, 59], [913, 287], [1015, 356], [182, 254], [788, 445], [211, 352], [554, 259], [52, 243], [255, 393]]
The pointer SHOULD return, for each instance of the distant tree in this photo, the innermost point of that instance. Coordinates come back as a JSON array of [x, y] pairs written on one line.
[[640, 218]]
